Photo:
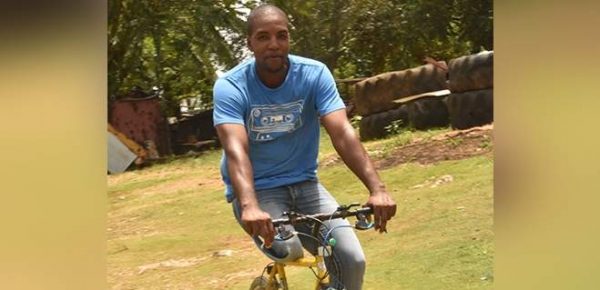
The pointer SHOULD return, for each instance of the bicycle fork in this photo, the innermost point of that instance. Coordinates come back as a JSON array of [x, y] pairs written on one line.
[[278, 281], [322, 278]]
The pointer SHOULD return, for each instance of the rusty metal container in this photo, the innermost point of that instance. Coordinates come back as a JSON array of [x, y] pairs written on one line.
[[141, 120]]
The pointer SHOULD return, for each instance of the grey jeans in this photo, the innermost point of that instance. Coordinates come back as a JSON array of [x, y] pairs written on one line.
[[310, 197]]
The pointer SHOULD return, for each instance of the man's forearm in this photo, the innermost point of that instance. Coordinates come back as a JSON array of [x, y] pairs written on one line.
[[242, 180], [354, 155], [253, 219], [348, 145], [235, 144]]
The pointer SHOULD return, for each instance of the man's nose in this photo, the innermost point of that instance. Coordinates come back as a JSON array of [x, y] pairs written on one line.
[[273, 43]]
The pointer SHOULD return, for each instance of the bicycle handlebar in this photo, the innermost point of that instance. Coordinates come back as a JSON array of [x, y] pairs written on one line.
[[342, 212], [282, 250]]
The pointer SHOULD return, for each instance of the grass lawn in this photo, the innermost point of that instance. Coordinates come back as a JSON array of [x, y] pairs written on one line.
[[166, 224]]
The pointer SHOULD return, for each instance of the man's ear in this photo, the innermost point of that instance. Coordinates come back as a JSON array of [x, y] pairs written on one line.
[[249, 44]]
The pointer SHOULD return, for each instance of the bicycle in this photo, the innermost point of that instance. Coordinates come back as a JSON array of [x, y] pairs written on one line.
[[275, 271]]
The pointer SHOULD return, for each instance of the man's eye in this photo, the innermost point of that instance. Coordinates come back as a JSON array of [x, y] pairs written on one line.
[[262, 37]]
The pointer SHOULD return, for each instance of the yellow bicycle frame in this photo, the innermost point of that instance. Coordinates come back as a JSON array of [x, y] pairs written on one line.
[[278, 271]]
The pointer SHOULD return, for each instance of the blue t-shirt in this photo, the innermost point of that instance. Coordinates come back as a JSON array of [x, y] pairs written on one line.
[[282, 123]]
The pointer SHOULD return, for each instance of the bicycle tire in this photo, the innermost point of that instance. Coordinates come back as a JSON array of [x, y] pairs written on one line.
[[335, 274], [259, 283]]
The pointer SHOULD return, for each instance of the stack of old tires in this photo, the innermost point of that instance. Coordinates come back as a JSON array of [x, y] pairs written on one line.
[[374, 100], [471, 79]]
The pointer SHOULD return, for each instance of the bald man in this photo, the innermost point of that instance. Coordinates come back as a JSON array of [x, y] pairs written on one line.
[[267, 113]]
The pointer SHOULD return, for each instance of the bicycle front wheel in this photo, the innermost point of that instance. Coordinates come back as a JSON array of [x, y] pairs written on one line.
[[259, 283], [262, 283]]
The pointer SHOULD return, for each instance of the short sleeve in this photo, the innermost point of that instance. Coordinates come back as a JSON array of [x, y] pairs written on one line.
[[327, 96], [228, 104]]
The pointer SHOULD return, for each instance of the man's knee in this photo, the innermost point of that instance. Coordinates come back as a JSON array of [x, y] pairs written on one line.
[[353, 258], [359, 263], [353, 268]]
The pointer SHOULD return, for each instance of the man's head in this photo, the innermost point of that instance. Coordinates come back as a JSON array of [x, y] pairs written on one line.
[[268, 38]]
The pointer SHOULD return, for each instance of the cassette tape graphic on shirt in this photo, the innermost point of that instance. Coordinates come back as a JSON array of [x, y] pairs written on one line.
[[268, 122]]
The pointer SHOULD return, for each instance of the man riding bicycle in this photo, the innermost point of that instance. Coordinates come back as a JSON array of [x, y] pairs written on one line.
[[267, 113]]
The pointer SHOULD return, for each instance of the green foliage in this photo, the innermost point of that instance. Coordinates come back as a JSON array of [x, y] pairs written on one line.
[[486, 143], [178, 46], [355, 121], [396, 127], [175, 47], [391, 35], [454, 142], [362, 38]]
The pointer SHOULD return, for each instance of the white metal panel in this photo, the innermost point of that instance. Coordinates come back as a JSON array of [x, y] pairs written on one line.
[[119, 156]]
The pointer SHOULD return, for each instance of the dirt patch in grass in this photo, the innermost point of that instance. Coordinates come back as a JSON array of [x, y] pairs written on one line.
[[453, 145]]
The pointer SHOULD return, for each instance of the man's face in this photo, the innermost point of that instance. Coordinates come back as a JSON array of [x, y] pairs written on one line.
[[269, 42]]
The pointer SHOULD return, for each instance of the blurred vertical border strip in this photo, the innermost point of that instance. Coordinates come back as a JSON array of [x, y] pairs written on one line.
[[53, 144], [546, 169]]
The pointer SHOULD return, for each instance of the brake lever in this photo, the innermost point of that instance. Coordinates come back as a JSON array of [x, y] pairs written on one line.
[[347, 207]]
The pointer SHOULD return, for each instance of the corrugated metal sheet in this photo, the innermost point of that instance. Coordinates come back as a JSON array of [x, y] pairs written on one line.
[[119, 156]]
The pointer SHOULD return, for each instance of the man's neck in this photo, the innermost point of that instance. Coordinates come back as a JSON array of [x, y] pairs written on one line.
[[273, 80]]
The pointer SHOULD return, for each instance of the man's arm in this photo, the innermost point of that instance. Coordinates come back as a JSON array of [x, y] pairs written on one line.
[[234, 139], [348, 146]]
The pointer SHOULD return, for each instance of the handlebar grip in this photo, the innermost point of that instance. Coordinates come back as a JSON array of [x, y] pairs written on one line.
[[366, 209]]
